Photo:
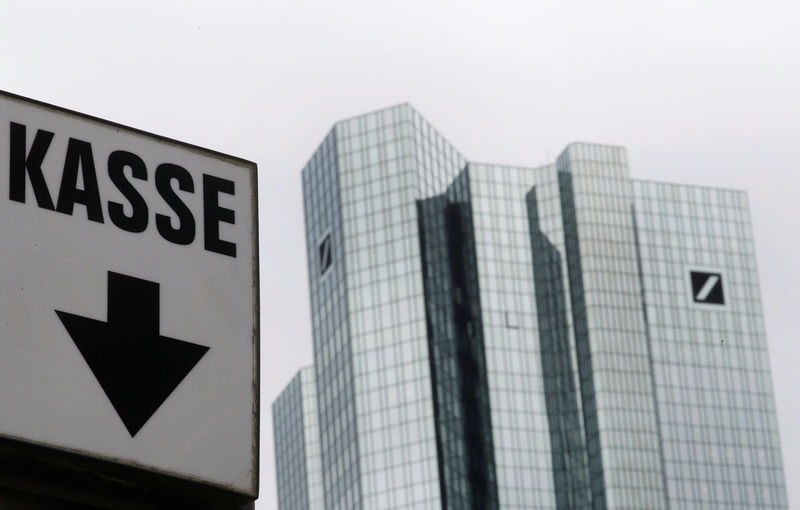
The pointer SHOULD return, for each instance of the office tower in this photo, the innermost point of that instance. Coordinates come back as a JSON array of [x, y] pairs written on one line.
[[498, 337], [297, 455]]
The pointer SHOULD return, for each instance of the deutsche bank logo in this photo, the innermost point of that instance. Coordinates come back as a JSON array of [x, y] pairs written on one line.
[[707, 288], [325, 257]]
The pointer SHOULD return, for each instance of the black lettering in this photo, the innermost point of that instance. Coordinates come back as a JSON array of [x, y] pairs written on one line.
[[184, 234], [137, 221], [213, 214], [30, 164], [79, 155]]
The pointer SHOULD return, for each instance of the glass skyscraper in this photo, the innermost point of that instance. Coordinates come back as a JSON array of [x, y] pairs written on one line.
[[497, 337]]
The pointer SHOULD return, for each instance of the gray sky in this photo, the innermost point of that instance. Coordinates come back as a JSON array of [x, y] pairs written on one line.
[[700, 92]]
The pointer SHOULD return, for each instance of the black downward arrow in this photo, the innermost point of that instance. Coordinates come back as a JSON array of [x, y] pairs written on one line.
[[136, 366]]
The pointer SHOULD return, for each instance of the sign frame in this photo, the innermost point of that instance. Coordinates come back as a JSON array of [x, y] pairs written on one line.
[[77, 465]]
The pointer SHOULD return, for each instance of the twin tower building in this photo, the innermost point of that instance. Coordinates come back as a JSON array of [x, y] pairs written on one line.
[[500, 337]]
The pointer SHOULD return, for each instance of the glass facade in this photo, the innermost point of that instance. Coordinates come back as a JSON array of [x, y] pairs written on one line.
[[495, 337], [621, 427], [515, 383], [710, 363], [297, 454]]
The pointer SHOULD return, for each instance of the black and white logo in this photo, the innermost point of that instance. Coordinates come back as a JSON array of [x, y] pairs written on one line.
[[707, 288], [325, 257]]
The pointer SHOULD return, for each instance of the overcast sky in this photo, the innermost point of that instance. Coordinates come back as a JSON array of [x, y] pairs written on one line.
[[700, 92]]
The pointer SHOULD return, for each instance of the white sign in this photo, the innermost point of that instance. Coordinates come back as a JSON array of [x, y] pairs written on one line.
[[128, 296]]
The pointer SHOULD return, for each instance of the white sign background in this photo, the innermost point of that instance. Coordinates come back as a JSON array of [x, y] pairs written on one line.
[[206, 430]]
